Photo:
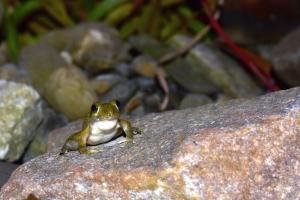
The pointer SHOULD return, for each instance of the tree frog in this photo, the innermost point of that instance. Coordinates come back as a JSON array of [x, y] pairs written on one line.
[[102, 124]]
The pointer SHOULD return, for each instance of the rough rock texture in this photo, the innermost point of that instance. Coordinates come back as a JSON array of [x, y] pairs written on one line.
[[20, 114], [242, 149]]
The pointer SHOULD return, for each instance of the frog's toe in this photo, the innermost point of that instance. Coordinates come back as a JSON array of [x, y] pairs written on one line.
[[122, 140], [129, 141], [137, 131]]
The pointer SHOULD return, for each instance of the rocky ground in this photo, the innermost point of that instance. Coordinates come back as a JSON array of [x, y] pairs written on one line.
[[242, 149], [55, 81]]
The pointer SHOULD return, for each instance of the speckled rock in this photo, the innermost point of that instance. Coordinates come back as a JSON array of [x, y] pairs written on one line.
[[286, 59], [20, 114], [242, 149]]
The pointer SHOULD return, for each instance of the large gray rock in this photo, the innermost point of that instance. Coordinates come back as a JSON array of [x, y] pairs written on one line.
[[219, 69], [190, 76], [20, 114], [242, 149], [149, 46]]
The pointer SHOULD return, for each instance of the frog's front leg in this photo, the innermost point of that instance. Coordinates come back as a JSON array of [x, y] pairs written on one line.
[[77, 141], [127, 128]]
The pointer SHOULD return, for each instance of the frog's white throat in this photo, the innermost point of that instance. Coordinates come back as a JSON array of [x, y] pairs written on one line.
[[104, 125]]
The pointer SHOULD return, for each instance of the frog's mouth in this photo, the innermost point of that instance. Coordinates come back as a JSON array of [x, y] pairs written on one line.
[[104, 124]]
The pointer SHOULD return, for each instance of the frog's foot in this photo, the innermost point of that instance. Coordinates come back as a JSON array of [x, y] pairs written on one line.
[[63, 150], [137, 131], [84, 150], [126, 142]]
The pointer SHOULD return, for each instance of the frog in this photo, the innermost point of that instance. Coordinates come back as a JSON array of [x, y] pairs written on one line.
[[102, 124]]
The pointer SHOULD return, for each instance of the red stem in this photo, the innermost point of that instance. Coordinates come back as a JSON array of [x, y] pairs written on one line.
[[265, 79]]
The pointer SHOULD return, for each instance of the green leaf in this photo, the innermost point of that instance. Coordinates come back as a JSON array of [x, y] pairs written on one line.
[[57, 10], [166, 3], [10, 33], [170, 26], [144, 19], [185, 11], [12, 39], [129, 27], [104, 7], [196, 26], [118, 14], [24, 9]]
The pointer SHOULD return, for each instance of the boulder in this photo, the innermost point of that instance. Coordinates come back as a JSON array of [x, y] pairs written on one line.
[[241, 149], [218, 68], [20, 114]]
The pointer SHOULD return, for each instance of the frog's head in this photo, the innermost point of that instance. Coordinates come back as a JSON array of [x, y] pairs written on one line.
[[105, 111]]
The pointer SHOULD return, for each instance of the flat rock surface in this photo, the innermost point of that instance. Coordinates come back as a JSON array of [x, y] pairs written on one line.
[[242, 149]]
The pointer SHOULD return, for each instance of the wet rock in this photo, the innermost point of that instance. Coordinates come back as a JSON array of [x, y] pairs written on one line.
[[148, 46], [242, 149], [124, 69], [68, 91], [152, 103], [145, 84], [138, 111], [286, 59], [5, 172], [20, 114], [100, 48], [190, 76], [122, 92], [194, 100], [40, 60], [11, 72], [145, 66], [220, 69], [39, 144], [105, 82]]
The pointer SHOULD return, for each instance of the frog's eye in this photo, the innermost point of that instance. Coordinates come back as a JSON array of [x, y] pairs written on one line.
[[94, 108]]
